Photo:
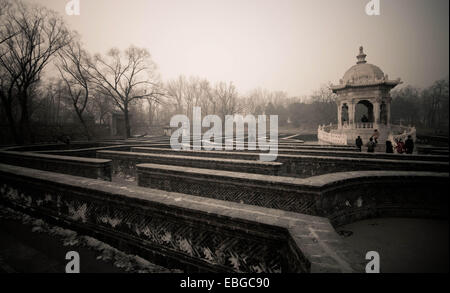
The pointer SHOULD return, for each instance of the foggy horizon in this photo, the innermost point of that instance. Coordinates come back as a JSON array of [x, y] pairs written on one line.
[[291, 46]]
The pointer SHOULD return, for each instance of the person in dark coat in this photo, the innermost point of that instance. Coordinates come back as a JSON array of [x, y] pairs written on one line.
[[389, 147], [359, 143], [409, 145], [371, 146]]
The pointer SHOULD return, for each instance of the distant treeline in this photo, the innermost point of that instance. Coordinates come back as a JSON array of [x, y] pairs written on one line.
[[425, 108], [51, 86]]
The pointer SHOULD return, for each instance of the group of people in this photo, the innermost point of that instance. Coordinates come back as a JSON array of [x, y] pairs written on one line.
[[371, 145], [400, 147]]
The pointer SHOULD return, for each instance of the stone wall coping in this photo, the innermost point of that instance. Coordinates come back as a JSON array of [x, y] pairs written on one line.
[[298, 226], [56, 157], [395, 157], [350, 159], [208, 159], [204, 205], [340, 159], [288, 146], [230, 153], [74, 143], [315, 182], [347, 152], [86, 149]]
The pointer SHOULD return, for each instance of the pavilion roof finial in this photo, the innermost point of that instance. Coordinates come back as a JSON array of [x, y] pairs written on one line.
[[361, 57]]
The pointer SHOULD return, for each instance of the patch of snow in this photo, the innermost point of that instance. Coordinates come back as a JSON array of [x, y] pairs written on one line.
[[129, 263]]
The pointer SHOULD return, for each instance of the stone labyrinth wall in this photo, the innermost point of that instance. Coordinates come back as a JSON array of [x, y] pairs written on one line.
[[223, 211], [342, 197], [177, 230]]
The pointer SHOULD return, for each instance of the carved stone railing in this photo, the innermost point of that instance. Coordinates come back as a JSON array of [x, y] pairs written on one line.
[[346, 125], [328, 137], [407, 131], [364, 125]]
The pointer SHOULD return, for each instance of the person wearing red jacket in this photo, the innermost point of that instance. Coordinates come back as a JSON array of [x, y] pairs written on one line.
[[400, 147]]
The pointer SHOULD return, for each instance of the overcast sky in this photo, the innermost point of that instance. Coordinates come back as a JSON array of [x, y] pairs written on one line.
[[288, 45]]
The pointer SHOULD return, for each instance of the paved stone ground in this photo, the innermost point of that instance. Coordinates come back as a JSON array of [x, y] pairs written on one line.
[[404, 245], [124, 180], [29, 245]]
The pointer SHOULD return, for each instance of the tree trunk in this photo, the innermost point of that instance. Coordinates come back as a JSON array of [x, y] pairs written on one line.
[[127, 122], [150, 114], [86, 128], [11, 122], [25, 127]]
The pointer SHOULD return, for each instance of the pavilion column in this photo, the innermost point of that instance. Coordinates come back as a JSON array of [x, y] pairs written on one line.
[[351, 114], [339, 115], [376, 114], [388, 118]]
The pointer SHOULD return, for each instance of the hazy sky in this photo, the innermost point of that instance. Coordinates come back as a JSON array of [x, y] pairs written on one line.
[[289, 45]]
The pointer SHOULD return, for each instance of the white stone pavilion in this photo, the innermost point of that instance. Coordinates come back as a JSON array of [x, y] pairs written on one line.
[[363, 106]]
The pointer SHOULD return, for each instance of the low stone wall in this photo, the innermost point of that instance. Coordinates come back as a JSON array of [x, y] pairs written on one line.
[[342, 197], [125, 163], [250, 155], [83, 167], [285, 146], [88, 152], [432, 150], [304, 166], [307, 166], [59, 146], [177, 230], [234, 155], [357, 154]]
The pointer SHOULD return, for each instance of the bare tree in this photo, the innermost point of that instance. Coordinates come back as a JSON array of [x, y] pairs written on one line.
[[324, 94], [227, 99], [206, 100], [435, 98], [52, 94], [40, 33], [73, 69], [152, 110], [102, 106], [5, 32], [176, 91], [125, 77]]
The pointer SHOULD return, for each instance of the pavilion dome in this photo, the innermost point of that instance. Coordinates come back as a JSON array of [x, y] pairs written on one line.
[[363, 72]]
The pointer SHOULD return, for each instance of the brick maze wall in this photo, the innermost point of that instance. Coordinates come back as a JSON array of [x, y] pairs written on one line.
[[355, 154], [253, 155], [343, 197], [304, 166], [307, 166], [125, 163], [177, 230], [83, 167]]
